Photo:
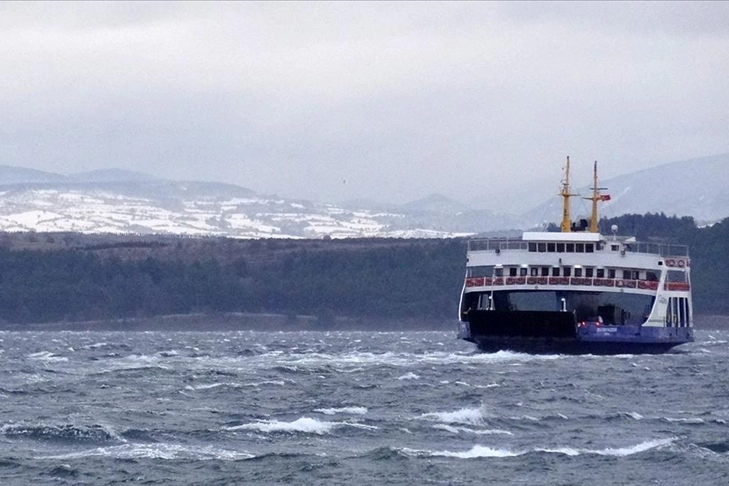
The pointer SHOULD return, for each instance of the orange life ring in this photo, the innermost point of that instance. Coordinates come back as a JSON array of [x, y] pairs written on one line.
[[671, 262], [509, 281], [681, 263]]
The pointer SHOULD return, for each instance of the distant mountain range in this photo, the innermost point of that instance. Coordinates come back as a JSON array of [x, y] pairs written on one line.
[[696, 187], [120, 201]]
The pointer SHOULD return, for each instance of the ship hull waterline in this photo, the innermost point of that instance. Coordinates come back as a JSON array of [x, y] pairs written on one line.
[[540, 332]]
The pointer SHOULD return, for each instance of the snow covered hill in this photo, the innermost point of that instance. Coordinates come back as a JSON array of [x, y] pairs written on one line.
[[114, 202], [118, 201]]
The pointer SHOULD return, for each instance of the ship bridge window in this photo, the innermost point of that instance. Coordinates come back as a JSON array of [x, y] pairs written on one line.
[[614, 247], [588, 272], [589, 248], [611, 273], [545, 271], [630, 274], [570, 247], [550, 247], [600, 273], [481, 271], [523, 271], [580, 248], [542, 247], [534, 271], [567, 271], [578, 272], [676, 276], [651, 276], [560, 247], [512, 271], [555, 271], [532, 247], [498, 272]]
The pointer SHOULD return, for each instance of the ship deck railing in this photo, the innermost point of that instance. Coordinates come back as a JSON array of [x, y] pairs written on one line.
[[628, 244]]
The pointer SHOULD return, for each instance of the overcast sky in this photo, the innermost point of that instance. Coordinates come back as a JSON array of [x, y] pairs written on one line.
[[386, 101]]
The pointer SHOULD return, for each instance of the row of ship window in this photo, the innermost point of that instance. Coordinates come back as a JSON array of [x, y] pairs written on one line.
[[564, 247], [565, 271]]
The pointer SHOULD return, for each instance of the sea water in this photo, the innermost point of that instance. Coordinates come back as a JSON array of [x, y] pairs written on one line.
[[223, 408]]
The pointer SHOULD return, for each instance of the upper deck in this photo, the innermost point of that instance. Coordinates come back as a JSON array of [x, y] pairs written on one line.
[[547, 242]]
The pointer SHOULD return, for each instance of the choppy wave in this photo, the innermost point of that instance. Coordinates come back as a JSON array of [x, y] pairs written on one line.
[[468, 430], [320, 407], [619, 452], [478, 451], [61, 432]]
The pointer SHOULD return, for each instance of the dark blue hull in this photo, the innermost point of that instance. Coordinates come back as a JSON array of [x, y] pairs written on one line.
[[557, 332], [569, 346]]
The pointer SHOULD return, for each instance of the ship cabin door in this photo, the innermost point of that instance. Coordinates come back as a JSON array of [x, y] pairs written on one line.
[[677, 313]]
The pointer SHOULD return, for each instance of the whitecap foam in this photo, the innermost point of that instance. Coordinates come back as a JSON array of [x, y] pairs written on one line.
[[47, 356], [157, 451], [347, 410], [630, 450], [209, 386], [567, 451], [304, 424], [524, 417], [618, 452], [463, 416], [409, 376], [95, 345], [475, 452], [363, 359], [455, 430], [689, 420], [267, 382]]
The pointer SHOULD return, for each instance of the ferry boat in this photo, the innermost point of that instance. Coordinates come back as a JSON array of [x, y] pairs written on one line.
[[576, 291]]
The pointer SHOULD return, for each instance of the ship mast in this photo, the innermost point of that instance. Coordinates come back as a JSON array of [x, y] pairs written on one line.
[[595, 198], [566, 195]]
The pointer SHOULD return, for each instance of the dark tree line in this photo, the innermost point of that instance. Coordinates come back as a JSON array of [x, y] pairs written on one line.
[[421, 278]]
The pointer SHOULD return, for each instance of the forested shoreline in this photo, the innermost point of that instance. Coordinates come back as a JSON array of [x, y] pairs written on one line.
[[66, 278]]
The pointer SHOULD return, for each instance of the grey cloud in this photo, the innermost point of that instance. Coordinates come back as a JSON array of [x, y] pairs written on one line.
[[348, 100]]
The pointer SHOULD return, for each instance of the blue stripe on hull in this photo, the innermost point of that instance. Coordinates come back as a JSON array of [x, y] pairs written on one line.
[[556, 332]]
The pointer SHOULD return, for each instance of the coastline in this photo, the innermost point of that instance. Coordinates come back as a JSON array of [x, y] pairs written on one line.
[[243, 321]]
